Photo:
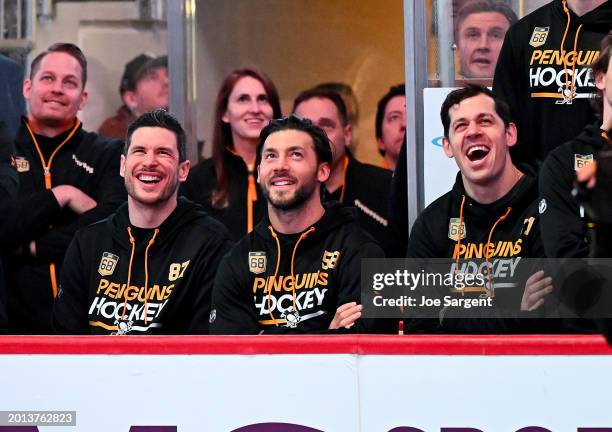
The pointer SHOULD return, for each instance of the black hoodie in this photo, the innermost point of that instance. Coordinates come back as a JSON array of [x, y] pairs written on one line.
[[175, 264], [325, 260], [86, 161], [564, 227], [513, 224], [531, 77]]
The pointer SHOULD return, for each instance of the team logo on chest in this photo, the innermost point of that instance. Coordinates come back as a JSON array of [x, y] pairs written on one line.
[[538, 38], [22, 164], [330, 260], [107, 264], [581, 161], [257, 262], [454, 229]]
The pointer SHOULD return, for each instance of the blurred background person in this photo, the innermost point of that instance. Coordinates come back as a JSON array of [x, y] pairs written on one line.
[[11, 97], [226, 184], [143, 88], [390, 125], [480, 27], [352, 106]]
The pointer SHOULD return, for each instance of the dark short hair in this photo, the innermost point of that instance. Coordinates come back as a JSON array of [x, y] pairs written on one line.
[[63, 47], [480, 6], [162, 119], [600, 66], [471, 90], [348, 97], [396, 90], [294, 122], [323, 93]]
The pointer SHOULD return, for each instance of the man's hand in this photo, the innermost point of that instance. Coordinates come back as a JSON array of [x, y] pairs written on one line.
[[346, 315], [537, 287], [76, 200], [587, 174]]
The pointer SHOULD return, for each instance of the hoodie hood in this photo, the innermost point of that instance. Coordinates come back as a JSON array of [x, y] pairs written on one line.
[[599, 19], [592, 135], [524, 192], [335, 215], [182, 215]]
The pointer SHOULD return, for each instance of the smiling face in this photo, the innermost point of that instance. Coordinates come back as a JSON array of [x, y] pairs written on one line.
[[55, 93], [151, 168], [248, 109], [480, 142], [289, 173], [480, 37]]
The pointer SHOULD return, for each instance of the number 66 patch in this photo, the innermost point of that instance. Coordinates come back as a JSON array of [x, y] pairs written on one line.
[[107, 264]]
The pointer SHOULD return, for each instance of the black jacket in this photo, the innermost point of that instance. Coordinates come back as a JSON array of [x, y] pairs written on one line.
[[434, 235], [87, 161], [564, 228], [8, 191], [202, 181], [367, 188], [530, 77], [325, 261], [177, 271]]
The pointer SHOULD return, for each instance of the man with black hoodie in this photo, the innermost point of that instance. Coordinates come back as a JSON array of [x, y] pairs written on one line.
[[564, 223], [149, 268], [492, 207], [69, 178], [543, 73], [299, 270]]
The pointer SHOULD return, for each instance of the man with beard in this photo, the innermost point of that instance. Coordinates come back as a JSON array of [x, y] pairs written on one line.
[[299, 270], [149, 268]]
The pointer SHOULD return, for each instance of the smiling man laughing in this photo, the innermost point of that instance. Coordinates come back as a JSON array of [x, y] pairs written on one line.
[[493, 203], [149, 268]]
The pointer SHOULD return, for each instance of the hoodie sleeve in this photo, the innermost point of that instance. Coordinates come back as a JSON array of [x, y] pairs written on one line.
[[206, 268], [509, 85], [70, 308], [421, 243], [398, 207], [233, 312], [111, 193], [562, 229]]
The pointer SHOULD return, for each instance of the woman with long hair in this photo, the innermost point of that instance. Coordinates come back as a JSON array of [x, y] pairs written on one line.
[[226, 184]]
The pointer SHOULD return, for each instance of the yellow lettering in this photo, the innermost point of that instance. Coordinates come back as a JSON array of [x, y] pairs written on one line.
[[545, 59], [535, 56], [103, 284]]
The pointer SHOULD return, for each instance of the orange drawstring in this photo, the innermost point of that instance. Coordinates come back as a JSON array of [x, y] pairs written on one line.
[[146, 265], [343, 186], [490, 292], [293, 281], [127, 285], [48, 184], [146, 268], [278, 256], [567, 26], [251, 198], [303, 236]]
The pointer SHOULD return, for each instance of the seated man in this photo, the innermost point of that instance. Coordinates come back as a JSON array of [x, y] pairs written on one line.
[[390, 125], [350, 182], [150, 267], [492, 202], [143, 88], [69, 178], [299, 270], [564, 224]]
